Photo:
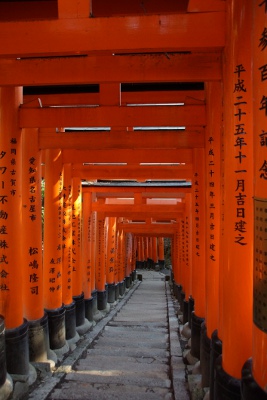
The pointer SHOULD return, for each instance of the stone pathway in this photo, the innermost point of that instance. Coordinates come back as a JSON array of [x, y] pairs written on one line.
[[135, 356]]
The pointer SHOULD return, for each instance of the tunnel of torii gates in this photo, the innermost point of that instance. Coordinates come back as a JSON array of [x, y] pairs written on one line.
[[131, 176]]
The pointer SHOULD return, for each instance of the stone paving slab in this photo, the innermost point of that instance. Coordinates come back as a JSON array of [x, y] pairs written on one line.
[[130, 351], [128, 354], [149, 343], [115, 359], [133, 329], [78, 391], [117, 376]]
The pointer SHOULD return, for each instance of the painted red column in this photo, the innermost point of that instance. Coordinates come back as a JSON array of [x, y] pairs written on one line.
[[77, 269], [128, 259], [52, 267], [259, 349], [198, 250], [87, 255], [111, 248], [67, 236], [238, 197], [69, 304], [154, 250], [213, 204], [161, 251], [213, 157], [32, 246], [100, 263], [12, 277]]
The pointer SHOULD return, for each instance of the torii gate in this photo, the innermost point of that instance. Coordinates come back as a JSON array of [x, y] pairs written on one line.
[[55, 44]]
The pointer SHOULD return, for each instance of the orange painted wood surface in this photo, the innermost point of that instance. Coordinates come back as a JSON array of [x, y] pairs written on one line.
[[207, 5], [11, 300], [128, 155], [238, 187], [67, 236], [77, 268], [73, 8], [198, 234], [32, 223], [51, 117], [189, 138], [111, 248], [127, 68], [126, 34], [213, 204], [134, 7], [53, 230], [259, 349], [145, 97], [87, 245], [132, 172], [100, 264]]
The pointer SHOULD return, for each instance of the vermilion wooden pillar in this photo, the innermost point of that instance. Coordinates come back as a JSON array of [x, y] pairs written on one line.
[[146, 260], [93, 222], [186, 266], [258, 376], [52, 268], [213, 158], [111, 248], [198, 250], [154, 250], [77, 269], [128, 259], [32, 246], [142, 251], [161, 251], [238, 205], [87, 254], [100, 263], [70, 316], [11, 278], [134, 258], [121, 263]]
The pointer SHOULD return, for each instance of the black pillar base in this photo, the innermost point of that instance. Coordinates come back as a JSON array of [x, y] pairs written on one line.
[[226, 386], [161, 264], [111, 292], [127, 282], [191, 304], [117, 291], [205, 345], [195, 335], [179, 293], [174, 289], [102, 300], [70, 320], [88, 309], [2, 352], [122, 287], [215, 352], [38, 339], [250, 390], [134, 275], [182, 301], [57, 328], [94, 295], [80, 311], [17, 349], [141, 264], [185, 312]]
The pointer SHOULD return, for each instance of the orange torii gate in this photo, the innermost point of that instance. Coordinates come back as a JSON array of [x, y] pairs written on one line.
[[223, 147]]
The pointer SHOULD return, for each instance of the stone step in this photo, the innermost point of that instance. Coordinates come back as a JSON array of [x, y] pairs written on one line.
[[85, 390], [116, 376], [130, 351]]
